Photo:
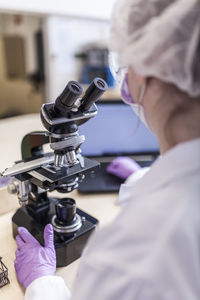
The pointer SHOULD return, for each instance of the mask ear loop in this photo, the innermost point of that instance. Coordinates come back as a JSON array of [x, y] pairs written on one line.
[[140, 99], [142, 92]]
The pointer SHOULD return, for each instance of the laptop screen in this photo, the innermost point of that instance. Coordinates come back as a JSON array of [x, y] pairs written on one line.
[[116, 130]]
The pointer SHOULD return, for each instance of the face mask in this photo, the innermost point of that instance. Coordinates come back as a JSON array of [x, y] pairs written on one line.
[[127, 98], [139, 111]]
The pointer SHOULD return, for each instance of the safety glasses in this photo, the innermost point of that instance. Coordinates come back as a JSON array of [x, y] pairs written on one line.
[[117, 71]]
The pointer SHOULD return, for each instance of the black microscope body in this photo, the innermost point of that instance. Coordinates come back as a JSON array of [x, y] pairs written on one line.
[[40, 172]]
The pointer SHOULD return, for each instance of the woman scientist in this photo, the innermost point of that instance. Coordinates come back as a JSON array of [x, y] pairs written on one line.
[[152, 250]]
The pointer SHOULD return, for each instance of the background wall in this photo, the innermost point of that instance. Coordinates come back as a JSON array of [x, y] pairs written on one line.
[[67, 27], [99, 9], [64, 37], [26, 29], [17, 95]]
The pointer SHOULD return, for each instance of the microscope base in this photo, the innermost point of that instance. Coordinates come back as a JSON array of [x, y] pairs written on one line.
[[68, 249]]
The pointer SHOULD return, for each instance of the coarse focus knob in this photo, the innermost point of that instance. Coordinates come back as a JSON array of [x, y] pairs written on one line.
[[13, 188]]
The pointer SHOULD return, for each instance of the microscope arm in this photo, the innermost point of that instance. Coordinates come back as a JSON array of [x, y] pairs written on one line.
[[31, 145]]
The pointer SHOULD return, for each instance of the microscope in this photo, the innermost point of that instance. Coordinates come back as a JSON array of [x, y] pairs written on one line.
[[61, 169]]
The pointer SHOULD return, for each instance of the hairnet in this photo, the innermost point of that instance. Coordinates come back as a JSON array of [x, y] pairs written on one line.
[[159, 38]]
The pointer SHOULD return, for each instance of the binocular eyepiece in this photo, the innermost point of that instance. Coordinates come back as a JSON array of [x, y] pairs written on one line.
[[95, 90], [73, 90]]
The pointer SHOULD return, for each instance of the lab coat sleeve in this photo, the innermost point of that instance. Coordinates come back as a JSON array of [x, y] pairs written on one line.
[[132, 179], [47, 288], [127, 187]]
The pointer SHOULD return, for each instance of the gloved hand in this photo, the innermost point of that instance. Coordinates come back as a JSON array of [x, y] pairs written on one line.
[[123, 167], [32, 259], [5, 181]]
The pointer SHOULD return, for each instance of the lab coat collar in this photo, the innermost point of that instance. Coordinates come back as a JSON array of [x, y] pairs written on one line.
[[176, 163]]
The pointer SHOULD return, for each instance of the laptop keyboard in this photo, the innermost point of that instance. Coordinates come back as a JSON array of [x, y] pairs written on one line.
[[100, 181]]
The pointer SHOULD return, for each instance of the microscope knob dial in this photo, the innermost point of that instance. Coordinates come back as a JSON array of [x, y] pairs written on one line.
[[13, 188]]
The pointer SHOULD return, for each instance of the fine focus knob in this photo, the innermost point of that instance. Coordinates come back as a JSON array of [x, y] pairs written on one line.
[[65, 211]]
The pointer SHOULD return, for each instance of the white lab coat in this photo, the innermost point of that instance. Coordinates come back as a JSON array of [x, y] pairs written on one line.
[[152, 249]]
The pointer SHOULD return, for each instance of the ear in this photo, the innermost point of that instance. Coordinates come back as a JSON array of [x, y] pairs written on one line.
[[135, 76]]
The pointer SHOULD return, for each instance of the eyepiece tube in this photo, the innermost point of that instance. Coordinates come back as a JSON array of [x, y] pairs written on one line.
[[93, 93], [66, 100]]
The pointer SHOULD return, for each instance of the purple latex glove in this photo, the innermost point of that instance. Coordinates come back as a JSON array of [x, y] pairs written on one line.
[[123, 167], [5, 181], [32, 259]]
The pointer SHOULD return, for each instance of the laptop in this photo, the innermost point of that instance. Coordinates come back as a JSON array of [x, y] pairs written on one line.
[[115, 131]]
